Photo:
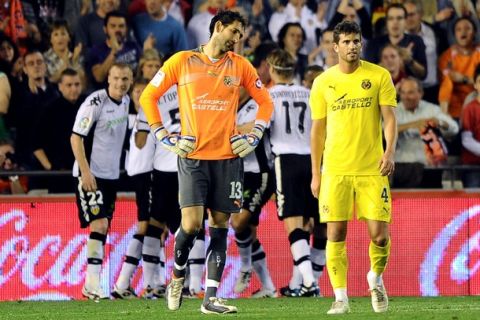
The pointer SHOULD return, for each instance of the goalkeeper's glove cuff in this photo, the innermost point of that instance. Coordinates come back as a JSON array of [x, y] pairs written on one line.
[[181, 145], [242, 145]]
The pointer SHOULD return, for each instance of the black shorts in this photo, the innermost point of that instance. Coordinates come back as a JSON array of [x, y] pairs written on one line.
[[214, 184], [294, 196], [96, 205], [165, 208], [142, 185], [257, 190]]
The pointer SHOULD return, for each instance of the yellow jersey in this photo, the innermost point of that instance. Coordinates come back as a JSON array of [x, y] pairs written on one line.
[[351, 105]]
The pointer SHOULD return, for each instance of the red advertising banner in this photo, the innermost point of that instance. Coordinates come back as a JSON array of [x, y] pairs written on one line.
[[435, 248]]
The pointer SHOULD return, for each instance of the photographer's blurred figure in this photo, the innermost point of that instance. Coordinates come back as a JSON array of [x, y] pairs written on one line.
[[10, 184]]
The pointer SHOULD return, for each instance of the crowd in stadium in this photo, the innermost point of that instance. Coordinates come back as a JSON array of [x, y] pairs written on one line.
[[432, 44]]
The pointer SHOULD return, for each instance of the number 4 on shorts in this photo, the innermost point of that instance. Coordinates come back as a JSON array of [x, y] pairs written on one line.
[[385, 195]]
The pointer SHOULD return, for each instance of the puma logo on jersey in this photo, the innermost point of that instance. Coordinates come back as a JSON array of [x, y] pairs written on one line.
[[332, 87], [341, 98]]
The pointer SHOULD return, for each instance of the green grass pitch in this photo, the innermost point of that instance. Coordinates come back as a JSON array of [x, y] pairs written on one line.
[[453, 308]]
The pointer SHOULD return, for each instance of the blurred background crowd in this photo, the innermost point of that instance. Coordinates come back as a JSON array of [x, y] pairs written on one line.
[[54, 52]]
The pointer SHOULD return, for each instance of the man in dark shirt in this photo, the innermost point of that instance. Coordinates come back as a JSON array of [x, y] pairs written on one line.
[[51, 144], [412, 47], [116, 48], [89, 30], [30, 99]]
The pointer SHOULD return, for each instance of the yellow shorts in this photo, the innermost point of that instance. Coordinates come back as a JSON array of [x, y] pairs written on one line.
[[369, 195]]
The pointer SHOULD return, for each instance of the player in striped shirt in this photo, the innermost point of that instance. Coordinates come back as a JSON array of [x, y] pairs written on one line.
[[97, 141], [290, 138]]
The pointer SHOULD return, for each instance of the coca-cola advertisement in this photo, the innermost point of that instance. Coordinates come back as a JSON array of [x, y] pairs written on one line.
[[435, 248]]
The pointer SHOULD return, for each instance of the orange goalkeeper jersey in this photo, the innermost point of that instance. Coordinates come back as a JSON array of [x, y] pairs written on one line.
[[208, 94]]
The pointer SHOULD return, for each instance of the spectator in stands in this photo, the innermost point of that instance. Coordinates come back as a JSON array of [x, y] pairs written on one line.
[[436, 11], [312, 72], [457, 66], [296, 11], [260, 62], [149, 63], [324, 55], [116, 48], [11, 63], [178, 9], [20, 24], [258, 13], [75, 9], [59, 57], [390, 59], [471, 136], [411, 46], [291, 38], [449, 11], [29, 101], [416, 26], [413, 115], [90, 28], [54, 128], [253, 38], [5, 94], [353, 11], [5, 150], [196, 30], [167, 34]]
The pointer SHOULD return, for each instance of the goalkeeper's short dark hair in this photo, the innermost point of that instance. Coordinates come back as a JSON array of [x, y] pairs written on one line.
[[226, 17]]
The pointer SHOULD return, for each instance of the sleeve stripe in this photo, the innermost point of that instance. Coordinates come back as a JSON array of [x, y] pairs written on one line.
[[79, 134]]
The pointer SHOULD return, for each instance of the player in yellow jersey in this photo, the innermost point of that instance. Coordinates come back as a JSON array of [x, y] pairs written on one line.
[[210, 168], [348, 103]]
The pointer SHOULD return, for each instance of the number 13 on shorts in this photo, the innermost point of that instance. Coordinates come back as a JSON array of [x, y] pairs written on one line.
[[236, 193], [236, 190]]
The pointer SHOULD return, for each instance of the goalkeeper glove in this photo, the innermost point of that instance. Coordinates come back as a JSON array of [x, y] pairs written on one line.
[[181, 145], [243, 144]]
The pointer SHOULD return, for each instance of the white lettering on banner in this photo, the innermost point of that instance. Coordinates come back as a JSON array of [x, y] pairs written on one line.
[[53, 262], [58, 274], [68, 261], [430, 267], [9, 249], [47, 260], [50, 244], [19, 224], [460, 271]]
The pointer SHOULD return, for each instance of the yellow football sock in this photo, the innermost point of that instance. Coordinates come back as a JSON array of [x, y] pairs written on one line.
[[337, 263], [379, 257]]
